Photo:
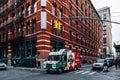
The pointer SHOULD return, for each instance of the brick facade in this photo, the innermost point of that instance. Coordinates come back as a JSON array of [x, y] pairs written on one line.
[[79, 34]]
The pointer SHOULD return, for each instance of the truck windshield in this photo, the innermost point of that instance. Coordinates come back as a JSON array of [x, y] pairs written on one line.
[[54, 57]]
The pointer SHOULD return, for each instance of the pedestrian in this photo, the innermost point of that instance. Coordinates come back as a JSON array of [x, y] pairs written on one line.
[[105, 66], [116, 63], [14, 62]]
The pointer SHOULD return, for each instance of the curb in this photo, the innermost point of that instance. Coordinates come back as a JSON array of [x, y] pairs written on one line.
[[23, 68]]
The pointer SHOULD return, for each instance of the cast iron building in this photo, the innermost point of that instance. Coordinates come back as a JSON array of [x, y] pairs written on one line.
[[107, 35], [30, 29]]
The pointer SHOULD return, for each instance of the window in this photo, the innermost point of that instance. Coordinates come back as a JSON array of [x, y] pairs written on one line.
[[60, 32], [76, 25], [60, 14], [53, 9], [28, 10], [104, 16], [22, 12], [53, 29], [18, 31], [28, 28], [81, 40], [3, 36], [34, 6], [77, 2], [76, 49], [82, 7], [0, 37], [34, 26], [70, 47], [22, 29], [70, 35], [81, 28], [76, 37], [60, 0], [13, 31], [70, 21], [70, 6], [81, 51], [76, 12], [104, 40]]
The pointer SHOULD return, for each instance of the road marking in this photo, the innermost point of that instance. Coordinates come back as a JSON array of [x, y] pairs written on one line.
[[79, 72], [91, 73], [85, 72]]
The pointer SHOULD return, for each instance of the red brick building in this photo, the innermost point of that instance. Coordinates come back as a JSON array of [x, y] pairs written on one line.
[[30, 29]]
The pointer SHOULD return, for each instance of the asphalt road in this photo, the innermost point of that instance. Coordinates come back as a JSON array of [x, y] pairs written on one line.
[[82, 74]]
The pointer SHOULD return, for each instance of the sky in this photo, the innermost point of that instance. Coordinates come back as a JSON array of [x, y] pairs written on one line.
[[115, 15]]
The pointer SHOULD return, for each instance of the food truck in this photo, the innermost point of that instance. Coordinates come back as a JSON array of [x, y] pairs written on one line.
[[62, 60]]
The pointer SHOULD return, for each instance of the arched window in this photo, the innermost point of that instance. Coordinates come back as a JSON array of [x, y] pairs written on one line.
[[60, 14], [53, 9], [28, 9], [34, 6]]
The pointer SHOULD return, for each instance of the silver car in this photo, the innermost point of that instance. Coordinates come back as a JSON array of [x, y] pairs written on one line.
[[3, 66], [99, 64]]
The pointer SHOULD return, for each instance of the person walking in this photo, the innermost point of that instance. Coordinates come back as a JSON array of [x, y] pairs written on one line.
[[116, 64], [105, 66]]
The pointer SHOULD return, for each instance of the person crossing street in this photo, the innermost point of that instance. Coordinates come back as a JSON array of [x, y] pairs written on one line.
[[116, 64]]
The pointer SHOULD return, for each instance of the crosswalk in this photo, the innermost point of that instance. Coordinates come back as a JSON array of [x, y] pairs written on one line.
[[83, 72]]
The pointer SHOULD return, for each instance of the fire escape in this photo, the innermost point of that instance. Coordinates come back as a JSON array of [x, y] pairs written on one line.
[[10, 23]]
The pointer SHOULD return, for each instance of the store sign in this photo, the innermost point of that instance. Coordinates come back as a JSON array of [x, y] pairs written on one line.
[[43, 20]]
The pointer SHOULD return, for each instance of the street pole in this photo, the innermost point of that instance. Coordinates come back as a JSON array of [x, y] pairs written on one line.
[[90, 18]]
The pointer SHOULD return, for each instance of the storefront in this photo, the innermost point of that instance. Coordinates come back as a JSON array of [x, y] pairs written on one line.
[[23, 52]]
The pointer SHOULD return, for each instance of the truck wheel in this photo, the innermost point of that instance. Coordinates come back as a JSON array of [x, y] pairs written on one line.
[[48, 71], [59, 70]]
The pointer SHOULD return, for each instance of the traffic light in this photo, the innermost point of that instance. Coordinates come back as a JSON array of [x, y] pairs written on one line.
[[59, 26], [55, 24]]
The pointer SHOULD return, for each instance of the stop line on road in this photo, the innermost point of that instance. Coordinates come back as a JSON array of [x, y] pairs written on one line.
[[85, 72]]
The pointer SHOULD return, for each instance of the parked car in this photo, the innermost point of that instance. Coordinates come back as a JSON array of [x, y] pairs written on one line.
[[99, 64], [3, 66]]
